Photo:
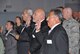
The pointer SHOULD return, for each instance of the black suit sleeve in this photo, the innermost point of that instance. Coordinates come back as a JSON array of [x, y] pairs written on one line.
[[39, 36], [62, 43]]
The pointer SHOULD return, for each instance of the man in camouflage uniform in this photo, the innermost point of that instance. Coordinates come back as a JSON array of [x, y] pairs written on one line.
[[72, 28]]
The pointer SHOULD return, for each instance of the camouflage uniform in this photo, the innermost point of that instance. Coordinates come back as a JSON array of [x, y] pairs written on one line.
[[72, 28]]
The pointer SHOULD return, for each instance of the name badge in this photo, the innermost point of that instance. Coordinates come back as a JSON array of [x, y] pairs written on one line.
[[49, 41], [33, 36]]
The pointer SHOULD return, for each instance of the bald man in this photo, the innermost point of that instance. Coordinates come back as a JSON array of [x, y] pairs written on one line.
[[72, 28], [40, 25], [38, 15]]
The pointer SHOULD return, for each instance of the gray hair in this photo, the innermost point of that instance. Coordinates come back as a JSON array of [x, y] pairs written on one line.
[[29, 11]]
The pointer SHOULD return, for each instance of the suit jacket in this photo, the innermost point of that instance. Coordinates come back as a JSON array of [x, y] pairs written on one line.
[[23, 42], [25, 38], [10, 44], [44, 28], [56, 42]]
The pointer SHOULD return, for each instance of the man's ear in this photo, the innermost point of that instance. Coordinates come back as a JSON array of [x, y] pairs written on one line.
[[12, 26], [56, 17]]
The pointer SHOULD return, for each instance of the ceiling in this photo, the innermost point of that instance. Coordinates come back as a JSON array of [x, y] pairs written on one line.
[[19, 5]]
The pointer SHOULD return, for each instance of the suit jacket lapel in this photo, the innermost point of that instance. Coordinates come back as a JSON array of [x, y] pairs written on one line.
[[54, 30]]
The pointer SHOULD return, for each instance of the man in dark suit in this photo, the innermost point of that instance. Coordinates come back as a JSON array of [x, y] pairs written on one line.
[[56, 40], [40, 22], [10, 42]]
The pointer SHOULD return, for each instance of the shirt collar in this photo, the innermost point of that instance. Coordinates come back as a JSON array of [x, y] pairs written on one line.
[[9, 31], [53, 27], [42, 20]]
